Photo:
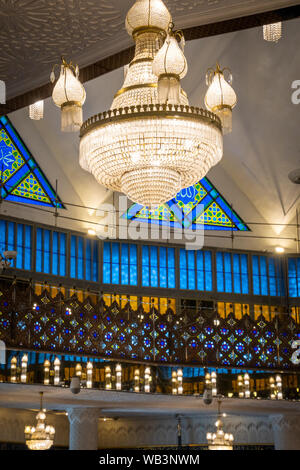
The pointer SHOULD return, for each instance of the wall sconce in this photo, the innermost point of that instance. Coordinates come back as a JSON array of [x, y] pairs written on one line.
[[147, 380], [137, 380], [46, 372], [56, 371], [89, 375], [24, 363], [118, 377], [107, 378], [13, 369]]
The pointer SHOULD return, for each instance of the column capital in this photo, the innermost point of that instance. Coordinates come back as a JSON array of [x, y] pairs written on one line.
[[83, 428], [83, 414]]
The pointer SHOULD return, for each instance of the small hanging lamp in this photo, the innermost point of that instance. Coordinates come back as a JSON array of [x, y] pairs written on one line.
[[170, 66], [220, 97], [69, 95], [36, 110], [272, 32]]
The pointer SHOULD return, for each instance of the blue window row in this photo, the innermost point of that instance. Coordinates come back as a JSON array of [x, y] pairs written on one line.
[[196, 270], [158, 267], [17, 237], [294, 277], [268, 277], [51, 248], [78, 257], [120, 264], [232, 273]]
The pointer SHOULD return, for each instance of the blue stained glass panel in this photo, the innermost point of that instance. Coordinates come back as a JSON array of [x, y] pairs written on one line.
[[294, 277]]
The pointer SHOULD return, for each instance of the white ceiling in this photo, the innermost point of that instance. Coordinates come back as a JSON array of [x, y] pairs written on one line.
[[34, 35]]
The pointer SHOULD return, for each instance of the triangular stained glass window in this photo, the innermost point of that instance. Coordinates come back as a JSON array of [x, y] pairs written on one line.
[[21, 179], [199, 206]]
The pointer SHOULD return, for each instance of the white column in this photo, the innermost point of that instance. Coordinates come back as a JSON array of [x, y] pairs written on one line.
[[83, 428], [286, 431]]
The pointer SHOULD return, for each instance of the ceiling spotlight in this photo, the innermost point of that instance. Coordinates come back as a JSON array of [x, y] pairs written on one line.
[[279, 249], [91, 232]]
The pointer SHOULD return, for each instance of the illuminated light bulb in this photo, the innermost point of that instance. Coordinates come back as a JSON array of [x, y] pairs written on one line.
[[78, 370], [220, 97], [36, 110], [91, 232], [279, 249], [69, 95]]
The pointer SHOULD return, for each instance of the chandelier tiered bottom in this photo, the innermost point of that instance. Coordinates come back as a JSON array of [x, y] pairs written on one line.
[[144, 148], [151, 152]]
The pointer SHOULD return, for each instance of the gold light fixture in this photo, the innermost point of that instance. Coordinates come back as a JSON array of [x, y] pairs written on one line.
[[40, 437], [272, 32], [220, 97], [151, 143], [69, 95], [219, 440]]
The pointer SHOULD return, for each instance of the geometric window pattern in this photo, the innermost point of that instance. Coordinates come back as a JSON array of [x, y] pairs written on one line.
[[198, 207], [21, 179], [111, 331]]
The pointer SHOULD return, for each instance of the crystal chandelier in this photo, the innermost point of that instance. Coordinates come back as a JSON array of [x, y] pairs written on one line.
[[40, 437], [69, 95], [220, 97], [151, 143], [273, 32], [219, 440]]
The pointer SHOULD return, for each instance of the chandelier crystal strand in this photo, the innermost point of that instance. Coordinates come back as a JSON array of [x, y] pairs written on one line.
[[273, 32], [220, 97], [69, 95], [219, 440], [40, 437], [145, 149], [36, 110]]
